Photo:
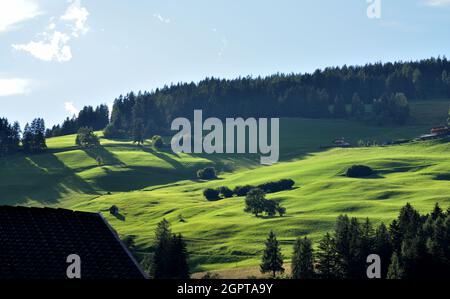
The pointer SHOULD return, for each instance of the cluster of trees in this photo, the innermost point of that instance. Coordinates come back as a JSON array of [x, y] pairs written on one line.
[[9, 137], [338, 92], [225, 192], [89, 117], [170, 258], [32, 140], [414, 246], [256, 203]]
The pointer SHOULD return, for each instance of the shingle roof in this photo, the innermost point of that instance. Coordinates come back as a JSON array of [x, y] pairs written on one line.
[[35, 243]]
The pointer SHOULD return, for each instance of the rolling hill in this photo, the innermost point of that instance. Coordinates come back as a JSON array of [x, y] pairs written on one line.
[[148, 185]]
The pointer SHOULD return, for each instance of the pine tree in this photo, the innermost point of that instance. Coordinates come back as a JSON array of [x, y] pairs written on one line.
[[383, 247], [170, 256], [27, 139], [396, 236], [303, 259], [328, 259], [161, 259], [437, 212], [179, 268], [272, 260], [395, 270]]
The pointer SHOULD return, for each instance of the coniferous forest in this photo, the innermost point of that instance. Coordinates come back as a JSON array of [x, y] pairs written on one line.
[[413, 246], [377, 93]]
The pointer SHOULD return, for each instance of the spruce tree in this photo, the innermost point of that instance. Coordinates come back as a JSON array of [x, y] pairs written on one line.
[[303, 259], [179, 268], [328, 259], [395, 270], [272, 260], [161, 259], [383, 247], [437, 212]]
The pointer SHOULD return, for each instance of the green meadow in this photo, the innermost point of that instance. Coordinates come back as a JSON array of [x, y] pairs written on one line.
[[148, 185]]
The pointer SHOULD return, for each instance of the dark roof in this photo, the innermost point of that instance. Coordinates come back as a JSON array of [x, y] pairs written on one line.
[[35, 243]]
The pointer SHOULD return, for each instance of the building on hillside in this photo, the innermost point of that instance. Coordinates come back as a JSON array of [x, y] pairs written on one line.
[[38, 243], [340, 142], [440, 131], [436, 132]]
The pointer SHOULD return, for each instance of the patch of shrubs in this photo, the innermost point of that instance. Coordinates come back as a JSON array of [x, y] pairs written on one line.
[[157, 142], [270, 187], [211, 194], [225, 192], [208, 173], [359, 171], [240, 191]]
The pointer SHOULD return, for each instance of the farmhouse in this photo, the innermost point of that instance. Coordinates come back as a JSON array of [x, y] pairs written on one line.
[[43, 243], [436, 132]]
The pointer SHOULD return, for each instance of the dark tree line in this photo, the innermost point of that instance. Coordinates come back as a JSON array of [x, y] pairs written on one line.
[[32, 140], [414, 246], [9, 137], [88, 117], [339, 92]]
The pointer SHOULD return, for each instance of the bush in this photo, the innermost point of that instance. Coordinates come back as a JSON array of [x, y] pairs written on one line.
[[86, 138], [157, 141], [208, 173], [281, 185], [359, 171], [286, 184], [114, 210], [243, 190], [211, 194], [225, 192]]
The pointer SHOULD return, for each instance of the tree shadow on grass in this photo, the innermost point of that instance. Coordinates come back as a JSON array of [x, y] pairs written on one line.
[[119, 216], [42, 178], [107, 158]]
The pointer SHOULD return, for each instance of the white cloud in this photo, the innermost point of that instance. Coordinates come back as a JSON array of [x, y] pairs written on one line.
[[78, 15], [53, 43], [13, 12], [53, 48], [70, 107], [161, 18], [14, 86], [437, 2]]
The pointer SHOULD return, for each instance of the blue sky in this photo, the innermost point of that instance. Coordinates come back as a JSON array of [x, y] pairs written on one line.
[[57, 56]]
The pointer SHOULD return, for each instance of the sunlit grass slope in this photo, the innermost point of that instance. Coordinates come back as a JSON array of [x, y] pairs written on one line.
[[149, 185]]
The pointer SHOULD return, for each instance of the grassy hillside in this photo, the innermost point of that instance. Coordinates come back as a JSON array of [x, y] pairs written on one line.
[[149, 185]]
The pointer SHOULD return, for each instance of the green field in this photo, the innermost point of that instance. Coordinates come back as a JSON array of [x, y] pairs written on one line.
[[149, 185]]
